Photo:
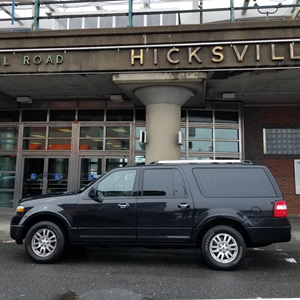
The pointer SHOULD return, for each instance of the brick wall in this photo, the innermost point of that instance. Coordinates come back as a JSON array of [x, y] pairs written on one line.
[[282, 166]]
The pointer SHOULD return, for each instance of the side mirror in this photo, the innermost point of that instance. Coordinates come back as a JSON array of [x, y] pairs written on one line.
[[93, 193]]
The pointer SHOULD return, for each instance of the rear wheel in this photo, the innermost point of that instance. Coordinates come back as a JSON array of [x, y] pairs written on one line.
[[45, 242], [223, 248]]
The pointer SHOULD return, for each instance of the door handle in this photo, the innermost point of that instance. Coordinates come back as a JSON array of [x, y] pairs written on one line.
[[183, 205], [123, 205]]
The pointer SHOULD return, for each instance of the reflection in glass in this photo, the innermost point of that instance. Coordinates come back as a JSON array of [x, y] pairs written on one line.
[[6, 199], [91, 132], [139, 160], [116, 144], [8, 144], [7, 163], [227, 134], [201, 146], [60, 131], [200, 133], [7, 181], [93, 144], [112, 163], [227, 146], [139, 146], [8, 132], [138, 129], [91, 168], [57, 177]]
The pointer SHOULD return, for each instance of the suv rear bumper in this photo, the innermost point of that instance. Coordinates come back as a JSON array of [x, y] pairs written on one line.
[[263, 236]]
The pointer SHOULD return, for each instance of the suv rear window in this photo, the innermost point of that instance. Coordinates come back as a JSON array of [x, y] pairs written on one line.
[[234, 183]]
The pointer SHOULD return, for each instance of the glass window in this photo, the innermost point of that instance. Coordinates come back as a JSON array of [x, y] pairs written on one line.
[[7, 163], [282, 141], [116, 144], [8, 144], [60, 132], [34, 144], [139, 146], [200, 116], [227, 147], [91, 168], [140, 115], [91, 115], [7, 181], [62, 115], [200, 133], [92, 144], [35, 132], [91, 132], [34, 115], [118, 131], [8, 132], [117, 184], [163, 183], [183, 116], [139, 160], [234, 183], [201, 146], [119, 115], [227, 134], [6, 199], [231, 117], [138, 129], [9, 116], [112, 163], [59, 144]]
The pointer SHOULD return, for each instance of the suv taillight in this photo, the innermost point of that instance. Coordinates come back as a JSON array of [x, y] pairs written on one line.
[[280, 209]]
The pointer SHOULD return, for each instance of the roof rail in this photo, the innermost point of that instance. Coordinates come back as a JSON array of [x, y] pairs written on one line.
[[202, 161]]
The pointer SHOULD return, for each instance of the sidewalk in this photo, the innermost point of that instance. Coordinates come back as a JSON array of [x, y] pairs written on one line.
[[7, 213]]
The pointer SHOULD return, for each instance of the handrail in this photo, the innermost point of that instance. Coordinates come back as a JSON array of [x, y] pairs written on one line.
[[130, 14]]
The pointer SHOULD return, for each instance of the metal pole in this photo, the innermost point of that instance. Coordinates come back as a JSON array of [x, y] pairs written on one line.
[[231, 10], [201, 12], [36, 17], [130, 24], [13, 12]]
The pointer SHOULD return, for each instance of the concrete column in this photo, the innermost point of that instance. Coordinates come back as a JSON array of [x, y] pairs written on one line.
[[163, 115]]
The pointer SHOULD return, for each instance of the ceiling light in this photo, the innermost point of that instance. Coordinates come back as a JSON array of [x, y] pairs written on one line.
[[116, 98], [26, 100], [228, 96]]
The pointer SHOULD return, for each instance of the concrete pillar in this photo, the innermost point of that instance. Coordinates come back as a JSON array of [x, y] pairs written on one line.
[[163, 118]]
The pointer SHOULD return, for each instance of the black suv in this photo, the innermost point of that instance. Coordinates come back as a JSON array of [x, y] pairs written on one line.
[[223, 207]]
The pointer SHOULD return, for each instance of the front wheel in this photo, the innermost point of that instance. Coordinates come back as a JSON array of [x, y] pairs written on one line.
[[223, 248], [45, 242]]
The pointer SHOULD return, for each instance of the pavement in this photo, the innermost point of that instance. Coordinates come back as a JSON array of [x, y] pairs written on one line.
[[7, 213]]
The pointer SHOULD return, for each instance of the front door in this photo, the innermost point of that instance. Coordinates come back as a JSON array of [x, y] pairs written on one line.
[[112, 217], [43, 175]]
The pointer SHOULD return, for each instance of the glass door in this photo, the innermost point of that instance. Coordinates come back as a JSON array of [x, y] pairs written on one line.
[[92, 167], [43, 175]]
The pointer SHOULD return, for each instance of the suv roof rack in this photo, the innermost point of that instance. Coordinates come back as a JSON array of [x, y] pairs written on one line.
[[201, 161]]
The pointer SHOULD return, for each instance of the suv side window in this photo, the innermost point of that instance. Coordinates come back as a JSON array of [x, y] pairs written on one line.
[[233, 183], [119, 183], [163, 183]]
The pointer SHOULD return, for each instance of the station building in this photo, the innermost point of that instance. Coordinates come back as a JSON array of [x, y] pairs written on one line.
[[76, 103]]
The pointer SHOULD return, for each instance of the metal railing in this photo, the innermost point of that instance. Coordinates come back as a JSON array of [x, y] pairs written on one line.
[[130, 15]]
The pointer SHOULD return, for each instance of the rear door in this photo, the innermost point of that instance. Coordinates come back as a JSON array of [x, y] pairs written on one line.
[[165, 210]]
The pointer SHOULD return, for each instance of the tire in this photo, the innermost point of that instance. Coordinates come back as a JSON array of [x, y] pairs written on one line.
[[223, 248], [45, 242]]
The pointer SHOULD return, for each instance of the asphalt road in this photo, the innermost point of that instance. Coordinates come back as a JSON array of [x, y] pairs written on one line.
[[146, 274]]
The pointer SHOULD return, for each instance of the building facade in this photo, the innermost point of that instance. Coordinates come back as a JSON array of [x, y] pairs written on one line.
[[74, 104]]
